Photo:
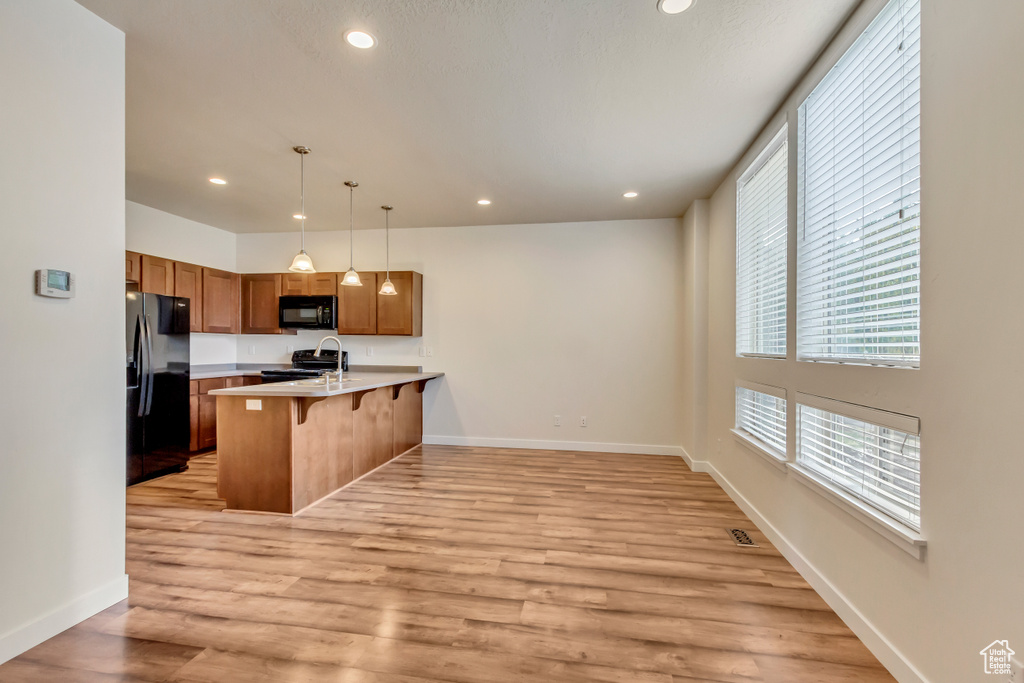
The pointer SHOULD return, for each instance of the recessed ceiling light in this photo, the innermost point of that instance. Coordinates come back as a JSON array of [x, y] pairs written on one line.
[[218, 181], [629, 195], [360, 39], [483, 202], [298, 216], [674, 6]]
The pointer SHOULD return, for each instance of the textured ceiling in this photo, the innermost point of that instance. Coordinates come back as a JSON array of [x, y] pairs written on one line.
[[550, 108]]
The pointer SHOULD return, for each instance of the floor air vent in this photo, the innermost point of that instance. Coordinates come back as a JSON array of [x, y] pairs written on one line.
[[742, 538]]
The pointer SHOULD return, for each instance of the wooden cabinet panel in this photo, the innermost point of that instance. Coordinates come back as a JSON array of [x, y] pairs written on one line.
[[193, 419], [207, 421], [402, 314], [323, 284], [321, 450], [294, 284], [157, 275], [188, 282], [250, 380], [260, 296], [357, 306], [220, 301], [407, 407], [132, 266], [372, 430]]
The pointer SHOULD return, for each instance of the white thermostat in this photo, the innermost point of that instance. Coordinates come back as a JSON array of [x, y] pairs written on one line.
[[55, 283]]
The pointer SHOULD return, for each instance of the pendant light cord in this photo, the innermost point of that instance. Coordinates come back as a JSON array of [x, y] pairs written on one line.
[[302, 197], [387, 241], [351, 243]]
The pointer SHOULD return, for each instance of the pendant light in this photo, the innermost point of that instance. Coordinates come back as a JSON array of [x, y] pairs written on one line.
[[351, 276], [302, 263], [387, 289]]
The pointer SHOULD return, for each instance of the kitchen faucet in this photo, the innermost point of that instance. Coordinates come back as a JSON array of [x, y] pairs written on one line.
[[316, 354]]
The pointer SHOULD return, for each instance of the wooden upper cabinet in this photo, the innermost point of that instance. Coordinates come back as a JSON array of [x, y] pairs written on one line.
[[357, 306], [323, 284], [188, 282], [401, 314], [294, 284], [157, 275], [260, 294], [220, 301], [132, 266]]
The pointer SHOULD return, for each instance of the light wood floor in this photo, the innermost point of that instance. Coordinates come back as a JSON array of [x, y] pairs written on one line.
[[458, 564]]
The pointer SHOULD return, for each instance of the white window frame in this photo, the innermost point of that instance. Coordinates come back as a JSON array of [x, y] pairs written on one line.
[[779, 141], [810, 293], [750, 440], [906, 537]]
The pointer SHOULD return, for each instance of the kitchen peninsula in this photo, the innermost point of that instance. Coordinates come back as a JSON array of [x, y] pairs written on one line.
[[284, 446]]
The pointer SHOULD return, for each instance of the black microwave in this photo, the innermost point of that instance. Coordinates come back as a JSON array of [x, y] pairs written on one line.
[[308, 313]]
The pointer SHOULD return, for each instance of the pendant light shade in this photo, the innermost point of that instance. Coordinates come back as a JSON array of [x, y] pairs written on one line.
[[388, 288], [302, 263], [351, 278]]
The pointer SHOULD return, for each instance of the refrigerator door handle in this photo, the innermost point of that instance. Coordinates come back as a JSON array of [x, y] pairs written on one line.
[[143, 367], [149, 365]]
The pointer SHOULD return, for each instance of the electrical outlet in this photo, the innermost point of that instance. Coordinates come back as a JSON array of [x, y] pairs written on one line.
[[369, 351], [583, 420], [558, 420], [430, 352], [423, 352], [252, 349]]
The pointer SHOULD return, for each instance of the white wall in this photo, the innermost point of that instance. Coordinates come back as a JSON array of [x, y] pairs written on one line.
[[62, 488], [155, 232], [926, 619], [528, 321]]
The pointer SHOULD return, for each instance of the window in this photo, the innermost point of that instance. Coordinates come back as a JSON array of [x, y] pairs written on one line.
[[872, 454], [859, 200], [761, 417], [761, 238]]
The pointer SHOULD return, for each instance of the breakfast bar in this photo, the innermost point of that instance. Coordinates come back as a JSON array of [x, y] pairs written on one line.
[[284, 446]]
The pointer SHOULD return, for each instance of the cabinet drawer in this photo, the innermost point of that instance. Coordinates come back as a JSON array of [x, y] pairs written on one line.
[[193, 388], [208, 385]]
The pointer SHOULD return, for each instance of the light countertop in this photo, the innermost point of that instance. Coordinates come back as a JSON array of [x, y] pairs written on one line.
[[351, 382]]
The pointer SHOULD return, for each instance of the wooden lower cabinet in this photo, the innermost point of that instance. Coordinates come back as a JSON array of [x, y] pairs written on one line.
[[203, 408], [293, 451], [372, 429], [407, 407]]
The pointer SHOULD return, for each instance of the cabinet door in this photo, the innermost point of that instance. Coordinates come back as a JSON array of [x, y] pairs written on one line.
[[207, 422], [157, 275], [193, 419], [402, 313], [188, 282], [357, 306], [260, 296], [132, 266], [294, 284], [220, 301], [323, 284]]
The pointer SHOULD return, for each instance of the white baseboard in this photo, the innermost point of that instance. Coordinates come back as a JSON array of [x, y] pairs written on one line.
[[26, 637], [694, 465], [536, 444], [880, 646]]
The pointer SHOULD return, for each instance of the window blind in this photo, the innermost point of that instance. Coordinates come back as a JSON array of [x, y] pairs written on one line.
[[761, 238], [763, 416], [877, 464], [859, 200]]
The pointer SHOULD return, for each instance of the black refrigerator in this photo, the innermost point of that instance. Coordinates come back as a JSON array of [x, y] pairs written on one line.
[[157, 330]]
